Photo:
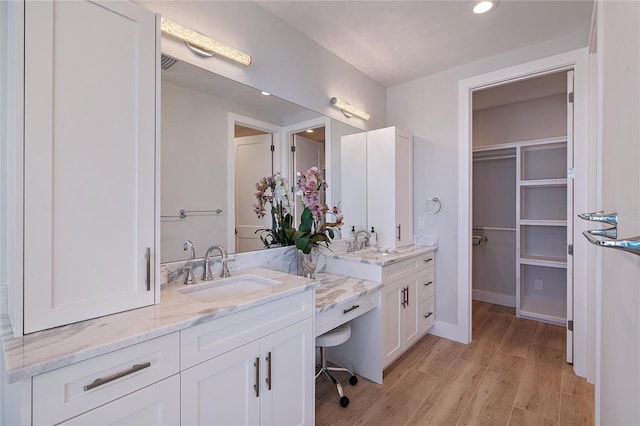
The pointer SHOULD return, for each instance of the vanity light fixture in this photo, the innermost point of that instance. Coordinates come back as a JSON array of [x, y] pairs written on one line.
[[484, 6], [348, 110], [203, 45]]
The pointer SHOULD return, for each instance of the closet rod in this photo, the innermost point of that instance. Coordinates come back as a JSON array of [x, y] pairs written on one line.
[[493, 228], [495, 157]]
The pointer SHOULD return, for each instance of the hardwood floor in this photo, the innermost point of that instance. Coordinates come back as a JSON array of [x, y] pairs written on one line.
[[513, 373]]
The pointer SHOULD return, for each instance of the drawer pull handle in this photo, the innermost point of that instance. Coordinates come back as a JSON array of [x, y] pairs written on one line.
[[101, 381], [428, 260], [346, 311], [428, 315], [404, 298], [257, 385], [269, 370], [428, 284]]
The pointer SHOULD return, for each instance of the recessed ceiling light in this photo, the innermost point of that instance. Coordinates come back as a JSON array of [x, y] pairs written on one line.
[[266, 93], [484, 6], [309, 130]]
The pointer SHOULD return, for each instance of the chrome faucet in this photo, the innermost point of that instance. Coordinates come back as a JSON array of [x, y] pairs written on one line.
[[224, 258], [188, 245], [364, 243]]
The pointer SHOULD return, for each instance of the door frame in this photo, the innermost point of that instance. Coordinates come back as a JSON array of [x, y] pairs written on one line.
[[232, 120], [584, 195]]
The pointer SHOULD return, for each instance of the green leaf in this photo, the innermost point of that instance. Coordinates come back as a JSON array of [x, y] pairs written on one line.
[[331, 234], [302, 243], [306, 220]]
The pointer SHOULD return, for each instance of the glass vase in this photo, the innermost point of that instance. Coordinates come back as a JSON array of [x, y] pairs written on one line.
[[307, 263]]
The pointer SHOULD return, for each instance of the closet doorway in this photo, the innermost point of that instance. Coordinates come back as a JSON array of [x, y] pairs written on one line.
[[522, 198]]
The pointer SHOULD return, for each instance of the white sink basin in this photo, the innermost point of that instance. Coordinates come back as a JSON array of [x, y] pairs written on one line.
[[212, 291]]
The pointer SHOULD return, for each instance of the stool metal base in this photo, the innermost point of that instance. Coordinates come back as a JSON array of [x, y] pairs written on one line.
[[324, 369]]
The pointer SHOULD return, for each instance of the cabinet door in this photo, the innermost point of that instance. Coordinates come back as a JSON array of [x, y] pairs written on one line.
[[89, 160], [287, 395], [158, 404], [404, 189], [222, 391], [392, 298], [411, 320]]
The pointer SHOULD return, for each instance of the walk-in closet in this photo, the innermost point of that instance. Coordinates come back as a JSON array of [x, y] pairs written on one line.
[[522, 197]]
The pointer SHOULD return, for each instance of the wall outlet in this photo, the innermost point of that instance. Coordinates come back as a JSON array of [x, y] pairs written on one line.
[[538, 284], [420, 222]]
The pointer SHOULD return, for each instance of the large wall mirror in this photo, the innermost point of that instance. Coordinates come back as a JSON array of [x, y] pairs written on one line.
[[218, 138]]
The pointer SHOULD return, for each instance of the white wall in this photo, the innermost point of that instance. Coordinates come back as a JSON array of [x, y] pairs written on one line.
[[284, 62], [428, 107]]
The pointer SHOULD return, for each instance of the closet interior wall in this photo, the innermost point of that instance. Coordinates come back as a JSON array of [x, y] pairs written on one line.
[[498, 131]]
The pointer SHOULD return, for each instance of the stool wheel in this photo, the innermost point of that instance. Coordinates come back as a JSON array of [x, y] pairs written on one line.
[[353, 380], [344, 401]]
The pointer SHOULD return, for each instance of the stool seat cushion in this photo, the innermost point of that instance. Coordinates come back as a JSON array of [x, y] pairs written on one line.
[[334, 337]]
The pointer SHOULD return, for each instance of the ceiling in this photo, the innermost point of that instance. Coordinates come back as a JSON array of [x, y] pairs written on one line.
[[398, 41]]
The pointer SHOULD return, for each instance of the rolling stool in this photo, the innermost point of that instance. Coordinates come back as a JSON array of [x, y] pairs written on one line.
[[331, 338]]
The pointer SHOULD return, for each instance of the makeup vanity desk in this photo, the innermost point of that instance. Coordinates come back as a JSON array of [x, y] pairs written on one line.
[[341, 299]]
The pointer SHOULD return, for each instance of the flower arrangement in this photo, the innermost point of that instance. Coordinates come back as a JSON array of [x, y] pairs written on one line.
[[313, 229], [274, 191]]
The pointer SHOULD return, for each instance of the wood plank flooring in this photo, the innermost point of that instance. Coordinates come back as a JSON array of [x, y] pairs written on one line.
[[513, 373]]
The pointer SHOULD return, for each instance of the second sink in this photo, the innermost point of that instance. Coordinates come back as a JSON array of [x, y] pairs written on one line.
[[229, 287]]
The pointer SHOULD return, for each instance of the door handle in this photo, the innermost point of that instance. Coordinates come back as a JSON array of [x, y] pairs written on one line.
[[630, 245], [404, 297]]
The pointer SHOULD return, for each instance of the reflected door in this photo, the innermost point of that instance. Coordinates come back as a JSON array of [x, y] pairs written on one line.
[[254, 160], [307, 153]]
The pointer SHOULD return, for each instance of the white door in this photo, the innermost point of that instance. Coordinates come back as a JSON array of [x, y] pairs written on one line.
[[89, 160], [618, 340], [392, 317], [404, 189], [288, 378], [222, 391], [307, 153], [411, 320], [254, 160], [570, 216]]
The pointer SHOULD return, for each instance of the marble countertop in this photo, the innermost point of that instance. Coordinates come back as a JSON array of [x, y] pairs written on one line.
[[47, 350], [335, 290], [384, 257]]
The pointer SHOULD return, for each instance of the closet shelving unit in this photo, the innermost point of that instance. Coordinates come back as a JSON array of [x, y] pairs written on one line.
[[543, 200]]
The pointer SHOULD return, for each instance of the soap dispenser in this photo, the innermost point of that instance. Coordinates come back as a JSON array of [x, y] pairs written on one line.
[[373, 238]]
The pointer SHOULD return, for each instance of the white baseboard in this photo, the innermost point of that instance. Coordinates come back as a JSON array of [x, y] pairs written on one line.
[[493, 297]]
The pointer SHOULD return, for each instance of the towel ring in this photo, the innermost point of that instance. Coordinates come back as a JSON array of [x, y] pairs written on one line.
[[433, 205]]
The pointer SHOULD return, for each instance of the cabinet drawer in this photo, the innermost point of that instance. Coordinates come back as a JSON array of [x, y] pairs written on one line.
[[409, 266], [426, 284], [426, 316], [330, 319], [75, 389], [213, 338]]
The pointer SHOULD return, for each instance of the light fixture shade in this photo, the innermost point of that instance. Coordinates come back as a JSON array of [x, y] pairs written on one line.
[[203, 42], [348, 108]]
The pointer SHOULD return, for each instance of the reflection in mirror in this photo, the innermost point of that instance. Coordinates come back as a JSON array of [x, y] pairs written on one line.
[[203, 115]]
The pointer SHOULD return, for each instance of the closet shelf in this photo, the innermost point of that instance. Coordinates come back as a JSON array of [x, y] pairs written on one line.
[[551, 311], [550, 262], [543, 182], [536, 222]]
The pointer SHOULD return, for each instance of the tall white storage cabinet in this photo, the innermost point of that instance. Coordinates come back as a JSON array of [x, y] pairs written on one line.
[[383, 184], [89, 160]]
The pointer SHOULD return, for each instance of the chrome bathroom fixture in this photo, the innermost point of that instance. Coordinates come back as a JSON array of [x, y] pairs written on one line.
[[630, 245]]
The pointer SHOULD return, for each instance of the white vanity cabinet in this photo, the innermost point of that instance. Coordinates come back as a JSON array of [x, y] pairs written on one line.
[[377, 184], [253, 367], [407, 304], [90, 152], [135, 385]]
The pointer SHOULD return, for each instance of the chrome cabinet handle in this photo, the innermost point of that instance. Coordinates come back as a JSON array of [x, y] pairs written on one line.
[[601, 216], [104, 380], [630, 245], [404, 297], [257, 385], [269, 370], [406, 294], [147, 255]]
